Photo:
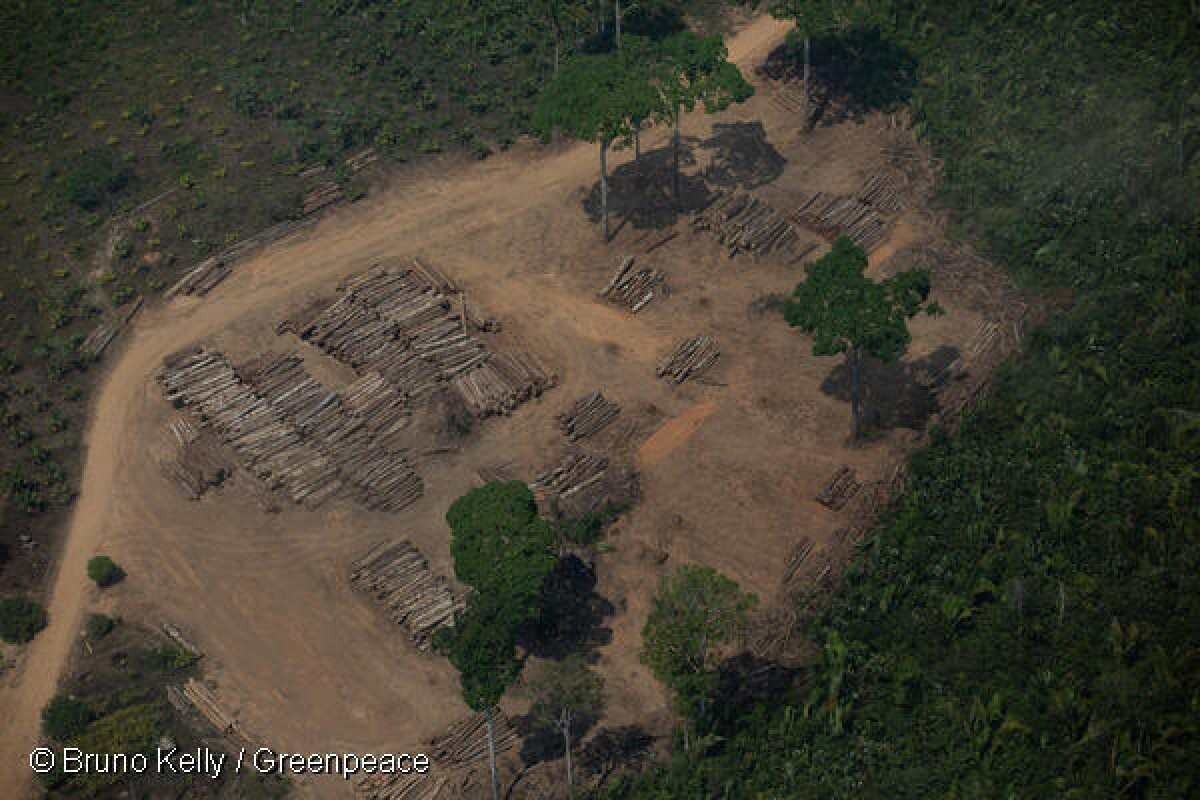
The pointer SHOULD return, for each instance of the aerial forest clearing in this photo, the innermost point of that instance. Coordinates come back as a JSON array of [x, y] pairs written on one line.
[[529, 348]]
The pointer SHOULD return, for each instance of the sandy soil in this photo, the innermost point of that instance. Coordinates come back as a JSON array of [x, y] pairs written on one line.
[[729, 467]]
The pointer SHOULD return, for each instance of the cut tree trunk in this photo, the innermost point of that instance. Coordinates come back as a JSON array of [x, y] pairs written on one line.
[[855, 359], [807, 41], [566, 732], [604, 184], [492, 757], [675, 158]]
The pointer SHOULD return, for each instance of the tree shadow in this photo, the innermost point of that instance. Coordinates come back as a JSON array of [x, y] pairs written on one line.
[[611, 750], [743, 156], [572, 613], [854, 72], [541, 742], [746, 681], [898, 395], [640, 192]]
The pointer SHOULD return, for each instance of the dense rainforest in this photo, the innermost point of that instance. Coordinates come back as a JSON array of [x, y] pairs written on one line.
[[1026, 621]]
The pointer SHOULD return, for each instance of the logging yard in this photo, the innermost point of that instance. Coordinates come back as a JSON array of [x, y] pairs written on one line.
[[273, 457]]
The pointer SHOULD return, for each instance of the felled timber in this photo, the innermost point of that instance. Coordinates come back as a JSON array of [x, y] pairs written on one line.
[[583, 484], [360, 161], [102, 336], [198, 696], [799, 555], [273, 449], [381, 476], [882, 191], [401, 786], [321, 196], [634, 289], [196, 462], [587, 415], [398, 578], [202, 278], [746, 224], [175, 635], [465, 742], [841, 487], [404, 326], [691, 358], [834, 216]]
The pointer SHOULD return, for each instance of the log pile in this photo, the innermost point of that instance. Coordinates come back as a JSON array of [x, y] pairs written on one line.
[[503, 382], [198, 696], [403, 326], [383, 410], [196, 461], [743, 223], [587, 415], [799, 555], [397, 577], [360, 161], [465, 742], [880, 190], [634, 289], [840, 488], [400, 786], [834, 216], [381, 476], [320, 196], [102, 336], [691, 358], [202, 278], [573, 474], [270, 447]]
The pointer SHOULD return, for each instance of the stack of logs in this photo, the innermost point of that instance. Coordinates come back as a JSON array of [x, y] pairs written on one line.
[[372, 464], [743, 223], [454, 753], [634, 290], [465, 742], [587, 415], [198, 696], [196, 461], [573, 474], [402, 326], [835, 216], [840, 488], [583, 484], [270, 448], [320, 196], [102, 336], [692, 357], [503, 382], [880, 190], [397, 577], [202, 278]]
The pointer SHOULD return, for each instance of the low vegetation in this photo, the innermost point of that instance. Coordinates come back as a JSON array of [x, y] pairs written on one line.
[[20, 619], [103, 571]]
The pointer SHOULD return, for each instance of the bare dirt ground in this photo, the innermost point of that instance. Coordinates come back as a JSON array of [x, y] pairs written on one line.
[[729, 467]]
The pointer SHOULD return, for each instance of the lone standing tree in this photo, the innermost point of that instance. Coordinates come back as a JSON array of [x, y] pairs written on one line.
[[597, 98], [695, 612], [847, 312], [812, 17], [503, 550], [695, 69], [563, 692]]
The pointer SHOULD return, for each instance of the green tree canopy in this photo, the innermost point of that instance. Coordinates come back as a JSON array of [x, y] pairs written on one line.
[[20, 619], [695, 612], [65, 717], [847, 312], [500, 545]]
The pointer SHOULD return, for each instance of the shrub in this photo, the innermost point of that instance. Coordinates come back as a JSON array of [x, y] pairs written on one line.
[[64, 718], [96, 176], [104, 571], [169, 658], [99, 625], [20, 619]]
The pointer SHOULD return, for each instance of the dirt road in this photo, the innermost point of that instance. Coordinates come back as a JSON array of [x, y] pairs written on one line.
[[443, 208]]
